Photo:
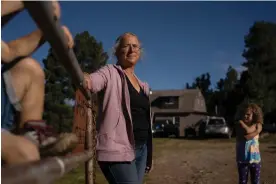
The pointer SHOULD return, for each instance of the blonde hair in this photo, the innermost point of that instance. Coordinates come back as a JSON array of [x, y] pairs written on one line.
[[257, 112], [118, 43]]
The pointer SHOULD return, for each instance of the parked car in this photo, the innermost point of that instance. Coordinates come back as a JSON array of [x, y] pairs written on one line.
[[269, 128], [217, 126], [210, 126], [171, 129], [158, 128]]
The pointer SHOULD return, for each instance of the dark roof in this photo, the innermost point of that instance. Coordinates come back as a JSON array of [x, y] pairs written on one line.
[[191, 100], [186, 92]]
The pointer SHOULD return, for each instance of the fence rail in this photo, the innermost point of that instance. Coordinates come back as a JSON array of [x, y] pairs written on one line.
[[48, 170], [42, 14], [45, 171]]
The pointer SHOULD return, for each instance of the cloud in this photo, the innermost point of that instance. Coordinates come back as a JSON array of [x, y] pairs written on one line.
[[240, 69], [222, 60]]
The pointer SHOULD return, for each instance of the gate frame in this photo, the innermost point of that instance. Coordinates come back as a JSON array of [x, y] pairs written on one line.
[[48, 170]]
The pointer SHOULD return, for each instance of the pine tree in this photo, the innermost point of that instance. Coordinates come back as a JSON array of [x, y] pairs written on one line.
[[260, 55], [60, 92]]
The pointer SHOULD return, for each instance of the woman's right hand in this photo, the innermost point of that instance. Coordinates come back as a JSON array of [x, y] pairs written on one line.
[[86, 81]]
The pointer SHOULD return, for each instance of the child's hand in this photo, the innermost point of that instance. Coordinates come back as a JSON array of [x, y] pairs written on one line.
[[68, 35], [240, 121], [56, 9]]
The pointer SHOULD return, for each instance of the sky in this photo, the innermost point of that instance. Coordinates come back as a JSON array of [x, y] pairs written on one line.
[[181, 40]]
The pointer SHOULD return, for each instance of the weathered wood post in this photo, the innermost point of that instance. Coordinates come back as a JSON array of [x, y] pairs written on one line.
[[84, 121], [89, 165], [84, 126]]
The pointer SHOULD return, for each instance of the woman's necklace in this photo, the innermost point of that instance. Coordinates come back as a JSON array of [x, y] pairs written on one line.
[[129, 73]]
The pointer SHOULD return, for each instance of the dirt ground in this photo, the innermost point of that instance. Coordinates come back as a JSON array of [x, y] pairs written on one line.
[[204, 162], [181, 161]]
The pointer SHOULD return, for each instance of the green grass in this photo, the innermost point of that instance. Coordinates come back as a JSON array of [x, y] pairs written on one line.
[[271, 138], [78, 175]]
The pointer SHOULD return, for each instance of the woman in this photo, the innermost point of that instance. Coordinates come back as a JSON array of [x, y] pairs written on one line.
[[124, 139], [247, 146]]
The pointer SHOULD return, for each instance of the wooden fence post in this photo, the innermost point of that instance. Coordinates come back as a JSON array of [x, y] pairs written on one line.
[[89, 165], [85, 128], [84, 119]]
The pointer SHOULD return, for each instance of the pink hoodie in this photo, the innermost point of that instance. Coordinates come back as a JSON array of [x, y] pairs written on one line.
[[115, 139]]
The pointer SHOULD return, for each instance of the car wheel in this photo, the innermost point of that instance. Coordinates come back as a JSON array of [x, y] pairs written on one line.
[[201, 135], [177, 134], [166, 134], [186, 133], [229, 136]]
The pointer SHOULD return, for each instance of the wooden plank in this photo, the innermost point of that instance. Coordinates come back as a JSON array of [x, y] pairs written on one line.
[[42, 13], [80, 120]]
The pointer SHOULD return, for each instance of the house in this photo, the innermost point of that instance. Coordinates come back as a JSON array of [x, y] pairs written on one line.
[[185, 106]]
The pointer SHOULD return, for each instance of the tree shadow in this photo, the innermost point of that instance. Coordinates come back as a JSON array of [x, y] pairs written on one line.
[[203, 138], [190, 138], [271, 149]]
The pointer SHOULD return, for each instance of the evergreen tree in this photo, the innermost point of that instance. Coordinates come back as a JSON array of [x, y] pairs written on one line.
[[59, 91], [260, 55]]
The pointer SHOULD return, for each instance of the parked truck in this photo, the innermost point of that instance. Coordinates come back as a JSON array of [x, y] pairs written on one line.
[[209, 126]]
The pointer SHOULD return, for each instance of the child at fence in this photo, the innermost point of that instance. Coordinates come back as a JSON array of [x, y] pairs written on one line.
[[22, 94], [247, 146]]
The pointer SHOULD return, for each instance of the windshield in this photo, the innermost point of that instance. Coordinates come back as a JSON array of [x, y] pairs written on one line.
[[215, 122]]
